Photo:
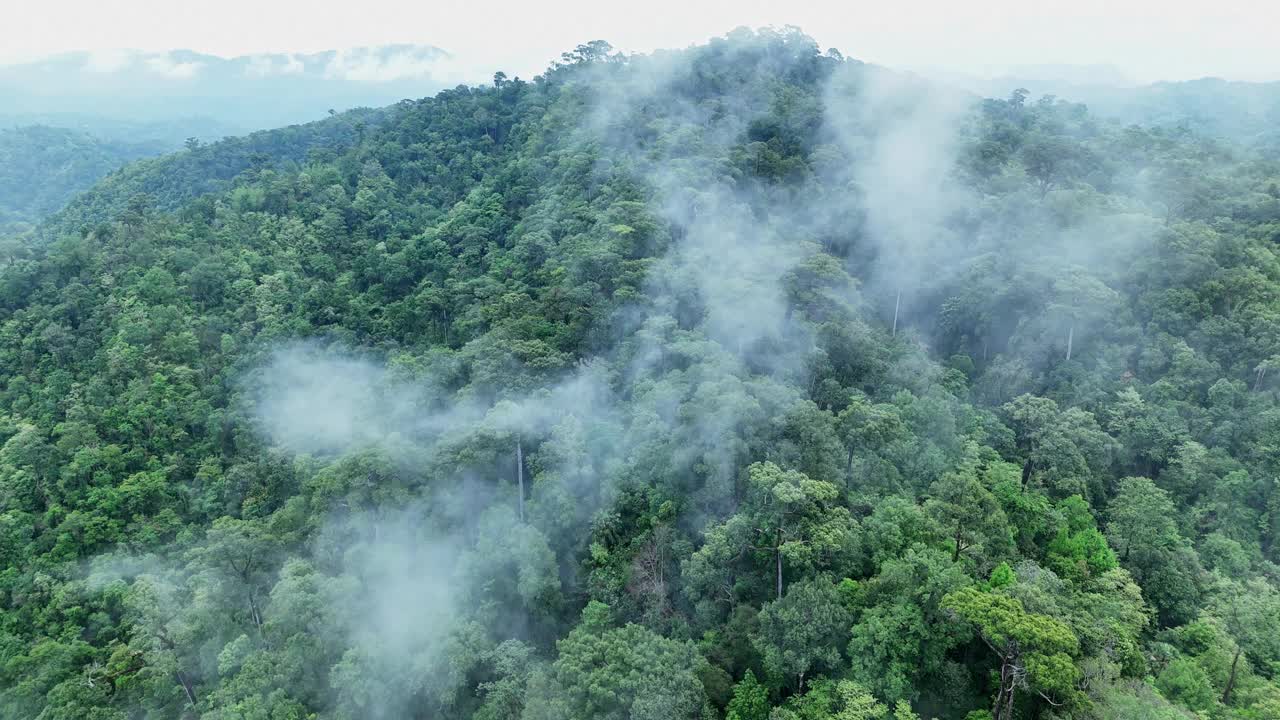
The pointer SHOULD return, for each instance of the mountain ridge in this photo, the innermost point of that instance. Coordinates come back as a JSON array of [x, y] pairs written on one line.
[[252, 92], [740, 381]]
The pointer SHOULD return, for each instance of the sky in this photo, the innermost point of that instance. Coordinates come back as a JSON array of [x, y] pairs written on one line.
[[1148, 40]]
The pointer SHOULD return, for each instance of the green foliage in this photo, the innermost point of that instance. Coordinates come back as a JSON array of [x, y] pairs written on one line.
[[1187, 684], [1079, 551], [902, 635], [750, 700], [1033, 650], [44, 167], [611, 409], [802, 631], [626, 672], [838, 700]]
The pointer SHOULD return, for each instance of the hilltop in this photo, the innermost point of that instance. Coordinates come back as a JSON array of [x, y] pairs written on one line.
[[744, 381]]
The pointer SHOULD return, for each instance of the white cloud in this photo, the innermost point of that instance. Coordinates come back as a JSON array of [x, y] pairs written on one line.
[[372, 65], [108, 61], [268, 65], [1148, 39], [170, 68]]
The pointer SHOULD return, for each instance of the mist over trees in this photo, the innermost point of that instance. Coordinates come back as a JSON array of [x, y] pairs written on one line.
[[746, 381]]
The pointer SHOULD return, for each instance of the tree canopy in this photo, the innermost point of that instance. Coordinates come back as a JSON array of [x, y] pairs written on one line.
[[742, 381]]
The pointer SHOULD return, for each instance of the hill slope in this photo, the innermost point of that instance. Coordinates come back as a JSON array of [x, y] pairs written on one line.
[[740, 381], [43, 167], [1243, 112]]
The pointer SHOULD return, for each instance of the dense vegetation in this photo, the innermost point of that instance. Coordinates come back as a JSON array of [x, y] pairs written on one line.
[[42, 167], [746, 382], [1245, 112]]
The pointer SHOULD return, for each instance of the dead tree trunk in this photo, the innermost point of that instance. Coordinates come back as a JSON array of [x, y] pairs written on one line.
[[896, 304], [1231, 679], [777, 554], [186, 687], [254, 611], [520, 476], [1008, 686]]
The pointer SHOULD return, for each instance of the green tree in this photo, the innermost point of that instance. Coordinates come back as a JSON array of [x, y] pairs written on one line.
[[803, 631], [902, 635], [1141, 526], [750, 700], [1250, 612], [787, 517], [613, 673], [963, 507], [1034, 651]]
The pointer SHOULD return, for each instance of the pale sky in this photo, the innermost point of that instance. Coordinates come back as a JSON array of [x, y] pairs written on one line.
[[1147, 39]]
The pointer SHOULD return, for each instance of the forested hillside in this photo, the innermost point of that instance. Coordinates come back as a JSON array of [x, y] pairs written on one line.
[[1246, 113], [55, 171], [41, 168], [742, 382]]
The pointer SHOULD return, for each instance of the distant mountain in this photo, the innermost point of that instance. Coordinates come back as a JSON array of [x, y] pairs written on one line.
[[171, 133], [250, 92], [1060, 74], [68, 121], [171, 180], [41, 168], [1244, 112]]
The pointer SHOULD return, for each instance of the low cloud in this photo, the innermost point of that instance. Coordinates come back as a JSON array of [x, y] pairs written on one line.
[[272, 65], [108, 61], [166, 66], [376, 65]]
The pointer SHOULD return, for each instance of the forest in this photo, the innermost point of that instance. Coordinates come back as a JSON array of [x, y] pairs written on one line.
[[42, 167], [740, 382]]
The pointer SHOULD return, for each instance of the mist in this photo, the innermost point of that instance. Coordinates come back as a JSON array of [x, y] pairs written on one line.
[[791, 257]]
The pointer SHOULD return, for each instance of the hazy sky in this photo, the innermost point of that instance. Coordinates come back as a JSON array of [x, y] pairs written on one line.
[[1147, 39]]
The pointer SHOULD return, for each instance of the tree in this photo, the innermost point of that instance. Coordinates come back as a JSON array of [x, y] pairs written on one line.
[[1187, 684], [616, 673], [788, 517], [166, 639], [802, 631], [504, 697], [1142, 528], [1141, 518], [1034, 651], [594, 51], [902, 634], [902, 711], [238, 556], [866, 427], [750, 700], [1250, 611], [1079, 551], [1049, 161], [837, 700], [965, 509], [512, 566], [1060, 450]]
